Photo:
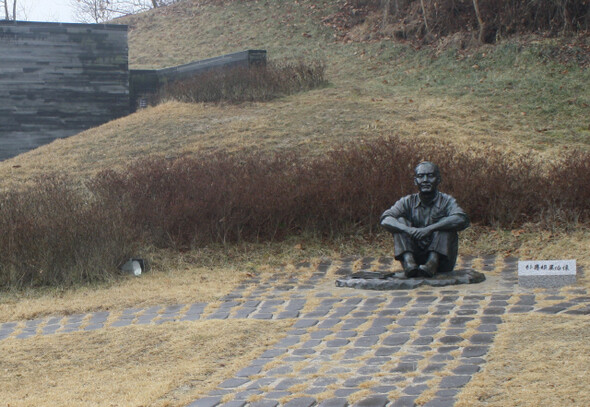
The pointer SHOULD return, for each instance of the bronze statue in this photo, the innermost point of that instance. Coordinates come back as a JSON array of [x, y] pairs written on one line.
[[425, 226]]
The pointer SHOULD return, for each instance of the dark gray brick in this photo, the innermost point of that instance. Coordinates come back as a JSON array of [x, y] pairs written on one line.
[[373, 401], [301, 402], [454, 381]]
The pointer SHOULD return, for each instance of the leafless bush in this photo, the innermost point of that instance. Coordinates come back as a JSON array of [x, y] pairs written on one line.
[[243, 84], [53, 234], [224, 198]]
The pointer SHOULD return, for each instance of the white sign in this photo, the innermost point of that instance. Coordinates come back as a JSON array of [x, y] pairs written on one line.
[[547, 268]]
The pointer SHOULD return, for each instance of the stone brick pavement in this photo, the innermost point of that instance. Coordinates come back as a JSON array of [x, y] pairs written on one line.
[[351, 347]]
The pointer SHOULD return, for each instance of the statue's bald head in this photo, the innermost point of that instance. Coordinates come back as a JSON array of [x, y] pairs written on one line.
[[432, 168]]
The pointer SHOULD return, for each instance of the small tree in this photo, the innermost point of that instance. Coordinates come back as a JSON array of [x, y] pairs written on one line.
[[9, 9], [100, 11]]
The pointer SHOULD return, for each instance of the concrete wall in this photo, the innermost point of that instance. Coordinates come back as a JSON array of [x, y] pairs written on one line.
[[58, 79]]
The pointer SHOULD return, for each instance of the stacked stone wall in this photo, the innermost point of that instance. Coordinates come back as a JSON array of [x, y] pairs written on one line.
[[58, 79]]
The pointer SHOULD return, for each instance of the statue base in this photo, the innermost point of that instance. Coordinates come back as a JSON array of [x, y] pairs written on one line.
[[370, 280]]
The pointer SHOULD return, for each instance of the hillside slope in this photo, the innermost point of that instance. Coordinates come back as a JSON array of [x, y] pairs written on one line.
[[513, 95]]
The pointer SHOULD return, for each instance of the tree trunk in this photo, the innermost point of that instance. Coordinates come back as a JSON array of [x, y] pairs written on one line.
[[385, 12], [424, 14], [6, 16], [14, 9], [482, 24], [155, 3]]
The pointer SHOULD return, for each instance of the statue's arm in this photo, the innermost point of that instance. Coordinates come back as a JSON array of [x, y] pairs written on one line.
[[395, 226], [455, 222]]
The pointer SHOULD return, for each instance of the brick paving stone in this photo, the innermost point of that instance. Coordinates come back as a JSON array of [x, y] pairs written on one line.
[[479, 339], [450, 339], [459, 321], [579, 311], [487, 328], [329, 323], [455, 331], [494, 311], [356, 381], [346, 334], [467, 369], [428, 331], [337, 343], [491, 320], [194, 312], [233, 383], [234, 403], [273, 353], [375, 331], [410, 321], [286, 383], [396, 339], [344, 392], [440, 402], [342, 311], [474, 351], [366, 341], [441, 357], [249, 371], [305, 323], [415, 390], [405, 367], [454, 381], [380, 360], [405, 401], [447, 393], [387, 350], [320, 334], [206, 402], [264, 403], [334, 402], [434, 367], [301, 402], [373, 401], [466, 312], [552, 309], [383, 389], [447, 349], [303, 351]]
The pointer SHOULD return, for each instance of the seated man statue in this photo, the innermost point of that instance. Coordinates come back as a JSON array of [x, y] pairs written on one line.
[[425, 226]]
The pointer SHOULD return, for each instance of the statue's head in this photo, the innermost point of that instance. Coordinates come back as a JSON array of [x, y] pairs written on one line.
[[427, 177]]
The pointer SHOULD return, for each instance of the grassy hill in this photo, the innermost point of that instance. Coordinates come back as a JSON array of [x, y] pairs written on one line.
[[526, 97], [515, 95]]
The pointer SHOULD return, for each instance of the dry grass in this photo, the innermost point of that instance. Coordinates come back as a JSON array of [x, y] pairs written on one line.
[[536, 360], [167, 365]]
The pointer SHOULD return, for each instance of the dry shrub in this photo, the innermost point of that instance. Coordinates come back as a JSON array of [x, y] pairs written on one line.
[[246, 84], [54, 234], [225, 198]]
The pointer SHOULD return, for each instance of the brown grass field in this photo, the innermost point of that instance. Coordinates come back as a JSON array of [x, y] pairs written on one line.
[[494, 96]]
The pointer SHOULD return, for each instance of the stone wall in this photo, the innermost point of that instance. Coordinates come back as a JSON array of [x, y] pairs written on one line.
[[143, 82], [57, 79]]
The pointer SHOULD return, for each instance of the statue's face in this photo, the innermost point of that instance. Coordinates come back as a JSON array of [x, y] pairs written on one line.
[[426, 179]]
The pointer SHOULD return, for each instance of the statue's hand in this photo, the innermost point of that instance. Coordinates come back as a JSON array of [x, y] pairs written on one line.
[[420, 233]]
